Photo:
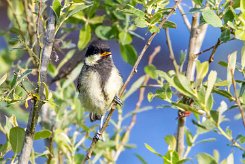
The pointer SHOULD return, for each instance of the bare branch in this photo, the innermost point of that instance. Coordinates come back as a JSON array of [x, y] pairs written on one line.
[[134, 70], [171, 52], [137, 107], [42, 79], [185, 18]]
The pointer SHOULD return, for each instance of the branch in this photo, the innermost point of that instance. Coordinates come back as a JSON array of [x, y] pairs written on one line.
[[137, 107], [196, 39], [42, 79], [185, 18], [213, 48], [171, 52], [237, 98], [133, 71]]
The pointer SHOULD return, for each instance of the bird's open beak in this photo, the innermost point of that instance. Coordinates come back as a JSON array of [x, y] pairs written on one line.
[[105, 54]]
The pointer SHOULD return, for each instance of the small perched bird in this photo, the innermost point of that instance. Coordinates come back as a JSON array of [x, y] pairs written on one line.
[[99, 81]]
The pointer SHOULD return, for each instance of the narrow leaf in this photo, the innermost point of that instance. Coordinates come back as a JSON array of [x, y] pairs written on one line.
[[211, 81]]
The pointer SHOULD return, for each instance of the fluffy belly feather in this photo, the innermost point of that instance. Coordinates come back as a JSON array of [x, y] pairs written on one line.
[[91, 95]]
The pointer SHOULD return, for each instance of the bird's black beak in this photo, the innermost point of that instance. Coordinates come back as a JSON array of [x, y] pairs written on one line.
[[104, 54]]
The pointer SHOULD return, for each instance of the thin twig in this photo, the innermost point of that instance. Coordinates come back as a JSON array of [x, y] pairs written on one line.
[[171, 52], [134, 70], [185, 18], [212, 47], [137, 107], [42, 79], [238, 102]]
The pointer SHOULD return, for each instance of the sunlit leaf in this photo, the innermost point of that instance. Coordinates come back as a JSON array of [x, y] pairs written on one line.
[[210, 84], [124, 38], [42, 134], [171, 141], [202, 70], [56, 6], [211, 18], [3, 78], [136, 85], [84, 37], [152, 150], [204, 158]]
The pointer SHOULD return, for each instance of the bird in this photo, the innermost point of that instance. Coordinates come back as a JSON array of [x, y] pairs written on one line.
[[99, 81]]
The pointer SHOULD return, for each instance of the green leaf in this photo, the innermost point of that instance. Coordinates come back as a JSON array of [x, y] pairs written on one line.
[[150, 96], [42, 134], [84, 37], [206, 140], [56, 6], [152, 150], [184, 83], [198, 2], [185, 107], [169, 24], [171, 157], [242, 89], [240, 138], [3, 78], [96, 19], [171, 141], [16, 138], [104, 32], [151, 71], [211, 18], [231, 67], [124, 38], [134, 11], [156, 18], [228, 160], [216, 155], [129, 54], [240, 34], [204, 158], [189, 137], [202, 70], [225, 35], [79, 7], [223, 93], [140, 22], [142, 160], [73, 75], [210, 84], [135, 86]]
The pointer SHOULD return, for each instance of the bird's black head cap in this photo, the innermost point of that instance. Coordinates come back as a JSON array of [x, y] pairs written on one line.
[[97, 46]]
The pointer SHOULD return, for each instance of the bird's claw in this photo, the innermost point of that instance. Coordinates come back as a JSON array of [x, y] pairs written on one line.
[[99, 136], [118, 100]]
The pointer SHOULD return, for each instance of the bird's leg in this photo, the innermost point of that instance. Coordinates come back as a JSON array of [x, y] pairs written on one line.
[[98, 135], [118, 100]]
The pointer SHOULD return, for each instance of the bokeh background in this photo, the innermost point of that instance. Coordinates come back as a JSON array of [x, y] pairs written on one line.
[[153, 125]]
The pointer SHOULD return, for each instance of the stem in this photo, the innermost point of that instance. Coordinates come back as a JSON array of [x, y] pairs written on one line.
[[33, 117], [196, 39], [171, 52], [137, 107], [133, 71], [185, 18], [237, 100]]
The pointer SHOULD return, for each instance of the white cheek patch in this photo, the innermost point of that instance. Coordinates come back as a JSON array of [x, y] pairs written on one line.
[[92, 59]]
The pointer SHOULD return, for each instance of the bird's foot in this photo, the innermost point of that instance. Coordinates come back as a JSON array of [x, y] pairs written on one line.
[[118, 100], [99, 136]]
